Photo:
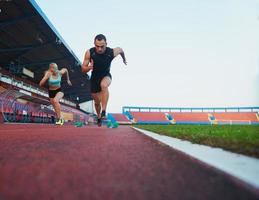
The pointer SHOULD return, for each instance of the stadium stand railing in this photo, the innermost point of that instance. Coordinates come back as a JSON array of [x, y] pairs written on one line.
[[23, 84], [20, 107], [22, 102]]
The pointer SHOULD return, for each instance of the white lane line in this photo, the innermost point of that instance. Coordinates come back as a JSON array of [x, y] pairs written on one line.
[[243, 167]]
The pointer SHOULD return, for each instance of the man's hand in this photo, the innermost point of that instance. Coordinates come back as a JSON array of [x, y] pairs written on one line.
[[119, 51], [91, 65], [84, 69]]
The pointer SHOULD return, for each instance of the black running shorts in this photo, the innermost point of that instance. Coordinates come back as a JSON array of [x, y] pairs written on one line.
[[96, 82], [52, 93]]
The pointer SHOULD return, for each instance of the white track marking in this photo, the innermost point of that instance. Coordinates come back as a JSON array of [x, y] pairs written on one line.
[[242, 167]]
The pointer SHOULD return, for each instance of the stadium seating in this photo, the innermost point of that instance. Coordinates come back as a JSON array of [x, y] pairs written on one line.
[[150, 118], [177, 117], [194, 117], [236, 117], [190, 117]]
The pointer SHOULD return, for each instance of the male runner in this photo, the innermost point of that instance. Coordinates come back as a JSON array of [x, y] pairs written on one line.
[[98, 59]]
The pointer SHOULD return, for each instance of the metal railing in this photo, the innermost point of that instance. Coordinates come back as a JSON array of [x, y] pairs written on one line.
[[190, 109], [29, 88]]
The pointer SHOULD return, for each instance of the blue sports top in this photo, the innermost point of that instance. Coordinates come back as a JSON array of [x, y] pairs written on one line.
[[55, 82]]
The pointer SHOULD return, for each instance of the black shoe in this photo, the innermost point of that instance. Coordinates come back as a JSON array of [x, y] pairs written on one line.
[[99, 122], [103, 115]]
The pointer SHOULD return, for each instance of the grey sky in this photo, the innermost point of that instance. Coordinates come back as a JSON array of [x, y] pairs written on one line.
[[180, 53]]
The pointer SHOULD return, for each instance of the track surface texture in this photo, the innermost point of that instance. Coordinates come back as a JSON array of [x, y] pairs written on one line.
[[47, 162]]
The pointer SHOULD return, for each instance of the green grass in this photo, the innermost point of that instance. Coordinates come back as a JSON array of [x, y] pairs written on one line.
[[237, 138]]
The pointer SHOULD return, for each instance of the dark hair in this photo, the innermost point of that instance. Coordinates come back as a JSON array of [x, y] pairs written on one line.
[[100, 37]]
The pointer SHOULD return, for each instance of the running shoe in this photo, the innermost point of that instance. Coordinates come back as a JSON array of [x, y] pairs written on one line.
[[99, 122], [103, 115], [60, 122]]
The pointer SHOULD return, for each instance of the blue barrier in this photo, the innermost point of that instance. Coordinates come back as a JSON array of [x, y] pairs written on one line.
[[129, 115], [111, 118]]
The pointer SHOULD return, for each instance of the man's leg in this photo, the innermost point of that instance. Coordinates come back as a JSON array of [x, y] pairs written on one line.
[[97, 103], [105, 83]]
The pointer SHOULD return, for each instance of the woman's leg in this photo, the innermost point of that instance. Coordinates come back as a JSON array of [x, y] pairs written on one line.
[[52, 103], [56, 105]]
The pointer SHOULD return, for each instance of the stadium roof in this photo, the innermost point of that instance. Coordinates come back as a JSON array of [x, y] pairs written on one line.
[[29, 40]]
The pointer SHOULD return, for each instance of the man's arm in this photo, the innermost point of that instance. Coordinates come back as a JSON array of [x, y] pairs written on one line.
[[65, 71], [85, 66], [119, 51], [44, 79]]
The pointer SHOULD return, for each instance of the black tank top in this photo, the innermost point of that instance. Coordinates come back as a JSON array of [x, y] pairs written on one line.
[[102, 62]]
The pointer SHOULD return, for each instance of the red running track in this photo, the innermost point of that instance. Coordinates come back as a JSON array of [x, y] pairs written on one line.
[[46, 162]]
